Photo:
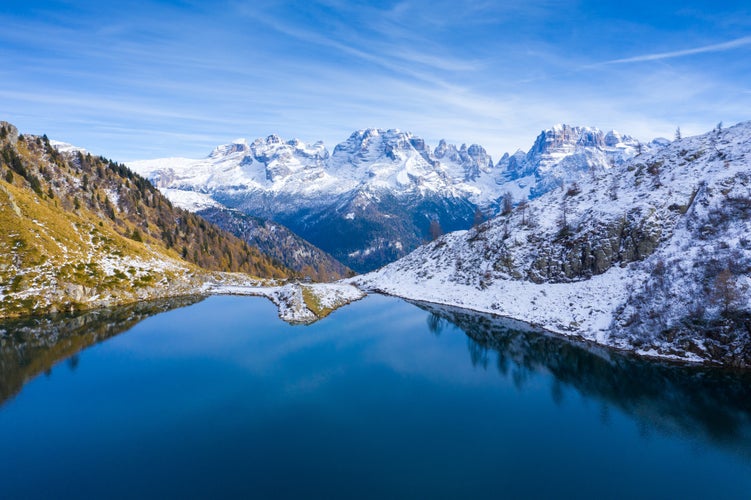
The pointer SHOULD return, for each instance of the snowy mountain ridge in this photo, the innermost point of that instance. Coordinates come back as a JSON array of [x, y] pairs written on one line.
[[565, 154], [374, 159], [377, 195], [651, 255]]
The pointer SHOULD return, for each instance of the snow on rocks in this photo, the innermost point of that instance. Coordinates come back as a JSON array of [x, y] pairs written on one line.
[[297, 303], [583, 309]]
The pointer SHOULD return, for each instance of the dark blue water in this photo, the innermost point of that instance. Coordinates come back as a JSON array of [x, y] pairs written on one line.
[[381, 399]]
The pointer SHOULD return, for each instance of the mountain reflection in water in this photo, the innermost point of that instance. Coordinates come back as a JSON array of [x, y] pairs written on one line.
[[32, 346], [697, 402]]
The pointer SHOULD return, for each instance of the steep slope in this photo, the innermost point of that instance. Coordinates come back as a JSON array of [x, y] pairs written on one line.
[[272, 239], [652, 256], [279, 243], [381, 193], [78, 231]]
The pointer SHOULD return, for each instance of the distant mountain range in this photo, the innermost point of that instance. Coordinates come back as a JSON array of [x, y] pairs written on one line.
[[382, 193]]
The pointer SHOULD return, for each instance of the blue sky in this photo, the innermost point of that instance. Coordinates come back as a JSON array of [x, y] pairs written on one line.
[[140, 79]]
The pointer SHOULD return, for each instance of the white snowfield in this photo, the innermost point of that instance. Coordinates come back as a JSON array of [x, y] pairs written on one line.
[[694, 196], [192, 201]]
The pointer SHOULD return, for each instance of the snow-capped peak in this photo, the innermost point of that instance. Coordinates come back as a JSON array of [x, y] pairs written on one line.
[[236, 146], [564, 154]]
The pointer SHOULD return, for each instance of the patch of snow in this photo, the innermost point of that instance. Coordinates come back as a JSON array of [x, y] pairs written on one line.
[[190, 200], [64, 147]]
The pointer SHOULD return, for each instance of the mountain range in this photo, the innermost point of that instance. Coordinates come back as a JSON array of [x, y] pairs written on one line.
[[381, 193]]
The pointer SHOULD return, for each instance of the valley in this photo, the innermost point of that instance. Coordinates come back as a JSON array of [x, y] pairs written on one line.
[[639, 247]]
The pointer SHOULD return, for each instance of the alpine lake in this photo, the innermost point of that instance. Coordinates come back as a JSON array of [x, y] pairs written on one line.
[[217, 397]]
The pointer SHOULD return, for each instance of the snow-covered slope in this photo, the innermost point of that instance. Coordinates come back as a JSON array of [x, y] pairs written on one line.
[[374, 197], [651, 255]]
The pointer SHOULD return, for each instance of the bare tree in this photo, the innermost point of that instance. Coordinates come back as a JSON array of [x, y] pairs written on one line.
[[435, 229], [507, 204], [522, 207], [726, 292]]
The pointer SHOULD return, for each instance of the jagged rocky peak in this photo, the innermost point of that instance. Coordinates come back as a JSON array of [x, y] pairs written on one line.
[[274, 139], [373, 143], [419, 144], [236, 146], [474, 151], [443, 149], [561, 138], [479, 155], [475, 160], [274, 148], [565, 138], [510, 161], [564, 153], [591, 137], [613, 138]]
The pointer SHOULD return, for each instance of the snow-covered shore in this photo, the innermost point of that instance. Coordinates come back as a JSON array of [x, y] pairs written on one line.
[[583, 309], [297, 303], [579, 311]]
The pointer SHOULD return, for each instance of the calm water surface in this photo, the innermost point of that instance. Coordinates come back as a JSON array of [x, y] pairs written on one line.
[[382, 399]]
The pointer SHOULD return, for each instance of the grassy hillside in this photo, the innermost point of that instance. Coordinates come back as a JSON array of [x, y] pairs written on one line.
[[78, 230]]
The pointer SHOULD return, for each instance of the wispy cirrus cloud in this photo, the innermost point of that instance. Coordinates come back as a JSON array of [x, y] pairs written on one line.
[[717, 47]]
